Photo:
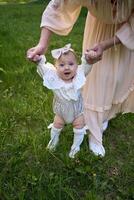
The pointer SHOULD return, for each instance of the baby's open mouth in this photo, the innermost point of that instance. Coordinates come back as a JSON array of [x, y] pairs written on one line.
[[67, 73]]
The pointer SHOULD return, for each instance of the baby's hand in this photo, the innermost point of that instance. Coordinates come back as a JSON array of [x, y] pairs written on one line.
[[92, 56], [34, 53], [37, 58]]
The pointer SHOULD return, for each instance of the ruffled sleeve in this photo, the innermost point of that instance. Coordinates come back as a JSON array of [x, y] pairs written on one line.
[[44, 68], [86, 67], [60, 16], [126, 33]]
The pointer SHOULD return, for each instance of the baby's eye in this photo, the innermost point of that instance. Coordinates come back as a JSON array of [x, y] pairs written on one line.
[[61, 65], [71, 63]]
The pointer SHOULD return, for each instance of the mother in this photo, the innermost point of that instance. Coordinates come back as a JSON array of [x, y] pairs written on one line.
[[110, 86]]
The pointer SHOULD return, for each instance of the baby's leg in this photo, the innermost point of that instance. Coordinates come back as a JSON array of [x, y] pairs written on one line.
[[79, 132], [55, 132]]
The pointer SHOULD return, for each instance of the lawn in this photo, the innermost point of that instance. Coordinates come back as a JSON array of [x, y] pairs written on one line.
[[27, 170]]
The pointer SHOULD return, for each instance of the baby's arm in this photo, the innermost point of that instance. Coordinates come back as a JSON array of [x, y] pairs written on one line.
[[43, 66], [90, 58], [85, 65]]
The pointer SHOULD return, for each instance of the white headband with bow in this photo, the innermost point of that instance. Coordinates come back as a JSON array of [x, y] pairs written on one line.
[[56, 53]]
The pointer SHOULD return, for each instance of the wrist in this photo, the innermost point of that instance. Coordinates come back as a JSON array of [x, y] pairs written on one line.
[[109, 43], [116, 40], [44, 38], [103, 45], [41, 47], [106, 44]]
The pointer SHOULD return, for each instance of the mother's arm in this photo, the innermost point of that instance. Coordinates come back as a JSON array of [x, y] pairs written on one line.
[[124, 36], [126, 33], [58, 17], [100, 48]]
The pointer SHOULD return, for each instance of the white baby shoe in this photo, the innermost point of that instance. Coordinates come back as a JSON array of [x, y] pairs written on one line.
[[73, 151], [78, 139], [55, 132]]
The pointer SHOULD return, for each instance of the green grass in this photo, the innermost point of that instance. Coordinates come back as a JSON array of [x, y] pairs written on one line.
[[27, 170], [19, 1]]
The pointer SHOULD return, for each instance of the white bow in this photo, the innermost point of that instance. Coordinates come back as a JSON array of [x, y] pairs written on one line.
[[56, 53]]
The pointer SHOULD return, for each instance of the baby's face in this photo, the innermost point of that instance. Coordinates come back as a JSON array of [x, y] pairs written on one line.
[[67, 66]]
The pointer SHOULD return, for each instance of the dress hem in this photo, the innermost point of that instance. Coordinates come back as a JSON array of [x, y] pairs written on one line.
[[108, 107]]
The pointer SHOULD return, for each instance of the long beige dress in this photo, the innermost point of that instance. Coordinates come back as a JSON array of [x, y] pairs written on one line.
[[110, 85]]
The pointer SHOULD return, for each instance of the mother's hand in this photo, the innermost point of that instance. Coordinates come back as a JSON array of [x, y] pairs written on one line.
[[98, 53], [100, 48], [34, 53]]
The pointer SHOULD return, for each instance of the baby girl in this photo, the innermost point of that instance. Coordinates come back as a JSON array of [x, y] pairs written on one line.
[[66, 79]]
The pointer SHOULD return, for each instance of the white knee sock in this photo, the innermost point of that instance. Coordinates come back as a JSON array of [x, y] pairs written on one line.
[[55, 132], [78, 139]]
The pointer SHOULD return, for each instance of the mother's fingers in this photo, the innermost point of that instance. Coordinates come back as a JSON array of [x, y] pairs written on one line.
[[93, 60], [32, 54]]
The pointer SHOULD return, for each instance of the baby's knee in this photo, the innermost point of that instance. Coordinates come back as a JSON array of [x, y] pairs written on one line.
[[58, 125], [79, 123], [58, 122]]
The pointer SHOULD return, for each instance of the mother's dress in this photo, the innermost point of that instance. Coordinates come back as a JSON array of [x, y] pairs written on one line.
[[109, 88]]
